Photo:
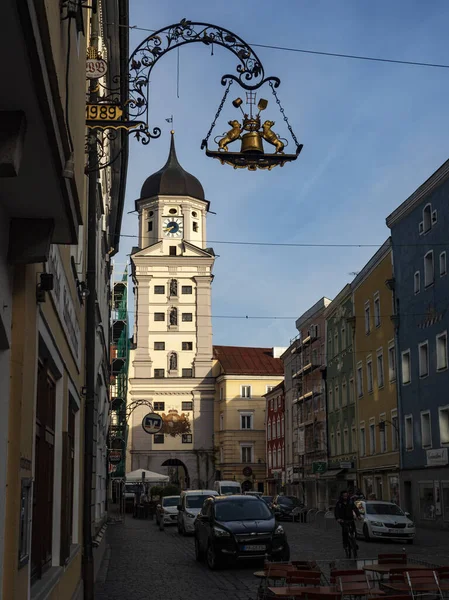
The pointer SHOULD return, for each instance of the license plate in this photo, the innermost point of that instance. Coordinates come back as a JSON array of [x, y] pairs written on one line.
[[393, 531], [254, 548]]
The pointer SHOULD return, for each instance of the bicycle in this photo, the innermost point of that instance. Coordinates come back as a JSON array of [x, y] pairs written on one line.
[[352, 547]]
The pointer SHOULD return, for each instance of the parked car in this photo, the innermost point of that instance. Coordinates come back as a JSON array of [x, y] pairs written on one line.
[[287, 507], [190, 504], [384, 520], [224, 488], [167, 510], [258, 494], [238, 528]]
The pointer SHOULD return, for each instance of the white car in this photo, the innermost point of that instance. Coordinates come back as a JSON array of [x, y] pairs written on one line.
[[384, 520], [189, 507], [167, 511]]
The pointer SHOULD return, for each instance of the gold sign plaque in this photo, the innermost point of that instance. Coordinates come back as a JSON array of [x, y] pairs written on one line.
[[103, 112]]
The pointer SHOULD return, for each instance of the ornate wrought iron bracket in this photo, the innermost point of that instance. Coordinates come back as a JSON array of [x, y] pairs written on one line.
[[131, 407]]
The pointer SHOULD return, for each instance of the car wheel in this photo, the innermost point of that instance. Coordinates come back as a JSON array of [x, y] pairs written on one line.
[[179, 527], [198, 554], [161, 525], [366, 533], [211, 557], [183, 529]]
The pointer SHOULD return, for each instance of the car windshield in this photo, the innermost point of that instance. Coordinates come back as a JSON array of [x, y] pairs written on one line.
[[383, 509], [171, 501], [241, 510], [229, 489], [288, 500], [196, 501]]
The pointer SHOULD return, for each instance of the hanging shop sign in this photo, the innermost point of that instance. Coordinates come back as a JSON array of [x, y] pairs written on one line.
[[115, 456], [247, 471], [96, 68], [152, 423], [103, 112]]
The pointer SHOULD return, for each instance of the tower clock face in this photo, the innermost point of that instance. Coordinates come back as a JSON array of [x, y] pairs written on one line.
[[173, 227]]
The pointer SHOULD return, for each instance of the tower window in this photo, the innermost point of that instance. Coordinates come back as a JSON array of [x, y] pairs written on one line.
[[187, 345], [187, 372], [150, 225], [172, 250], [173, 211], [159, 289], [150, 214], [186, 289], [159, 345], [159, 373], [158, 438], [195, 226], [187, 317], [159, 316], [194, 214]]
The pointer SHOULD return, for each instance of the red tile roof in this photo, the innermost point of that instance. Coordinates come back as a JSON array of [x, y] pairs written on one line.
[[239, 360]]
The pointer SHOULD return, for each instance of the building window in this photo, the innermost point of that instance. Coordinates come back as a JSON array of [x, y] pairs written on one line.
[[159, 316], [187, 317], [337, 396], [159, 289], [221, 421], [443, 414], [159, 405], [367, 318], [382, 433], [372, 438], [353, 440], [408, 420], [332, 443], [195, 226], [336, 342], [376, 310], [338, 442], [221, 393], [159, 345], [426, 431], [369, 374], [443, 265], [269, 388], [351, 391], [344, 394], [186, 289], [331, 400], [394, 430], [246, 420], [274, 458], [269, 430], [187, 372], [221, 454], [428, 269], [329, 345], [441, 344], [158, 438], [187, 405], [427, 500], [359, 380], [186, 438], [345, 441], [362, 442], [25, 520], [282, 426], [427, 218], [187, 345], [406, 367], [172, 251], [423, 359], [245, 391], [150, 225], [391, 362], [278, 428], [343, 337], [247, 454], [380, 368], [159, 373], [417, 282]]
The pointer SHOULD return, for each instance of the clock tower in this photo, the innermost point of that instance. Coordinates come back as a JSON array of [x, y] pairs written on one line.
[[171, 359]]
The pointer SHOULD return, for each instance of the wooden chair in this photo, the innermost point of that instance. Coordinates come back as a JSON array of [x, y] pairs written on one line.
[[388, 559], [349, 585], [443, 573], [305, 564], [418, 580], [338, 573]]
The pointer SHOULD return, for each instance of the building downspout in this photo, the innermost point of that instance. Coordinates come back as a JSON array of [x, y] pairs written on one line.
[[88, 559]]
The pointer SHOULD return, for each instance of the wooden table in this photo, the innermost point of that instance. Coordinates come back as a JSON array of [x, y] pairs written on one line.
[[296, 592], [385, 569], [417, 587]]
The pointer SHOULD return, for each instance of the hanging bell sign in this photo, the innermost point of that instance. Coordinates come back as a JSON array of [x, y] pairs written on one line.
[[252, 134]]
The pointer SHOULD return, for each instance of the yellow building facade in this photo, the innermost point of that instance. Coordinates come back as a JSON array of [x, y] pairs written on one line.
[[375, 376], [242, 377]]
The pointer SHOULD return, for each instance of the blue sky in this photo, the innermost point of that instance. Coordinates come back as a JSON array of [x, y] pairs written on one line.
[[372, 133]]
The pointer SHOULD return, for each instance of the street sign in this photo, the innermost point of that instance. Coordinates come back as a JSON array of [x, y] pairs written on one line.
[[115, 456], [96, 68], [346, 464], [103, 112], [319, 467], [152, 423]]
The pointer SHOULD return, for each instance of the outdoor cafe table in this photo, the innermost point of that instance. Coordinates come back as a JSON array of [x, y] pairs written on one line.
[[285, 592], [417, 587], [385, 569]]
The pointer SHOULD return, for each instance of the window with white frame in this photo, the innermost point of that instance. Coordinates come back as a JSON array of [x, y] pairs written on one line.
[[344, 393], [380, 367], [367, 317], [351, 390], [245, 391], [246, 453], [443, 417], [330, 399], [269, 430], [345, 440], [376, 310], [343, 336], [359, 380], [221, 421], [329, 344], [282, 426], [369, 374], [423, 353], [408, 430], [362, 439], [372, 437], [429, 274], [427, 218], [406, 367], [426, 430], [337, 396], [394, 430], [441, 346], [336, 342], [417, 282], [352, 443], [278, 427], [391, 361], [246, 420], [443, 264], [383, 432], [269, 459], [338, 441], [279, 457], [332, 443]]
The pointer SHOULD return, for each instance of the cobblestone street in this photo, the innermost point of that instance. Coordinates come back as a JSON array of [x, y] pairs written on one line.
[[143, 562]]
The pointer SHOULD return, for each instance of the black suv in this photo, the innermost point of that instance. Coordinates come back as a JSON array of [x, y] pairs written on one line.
[[287, 507], [238, 527]]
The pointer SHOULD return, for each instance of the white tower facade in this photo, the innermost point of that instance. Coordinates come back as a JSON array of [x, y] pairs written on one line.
[[171, 359]]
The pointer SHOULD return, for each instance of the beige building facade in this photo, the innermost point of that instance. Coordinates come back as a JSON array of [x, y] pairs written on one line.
[[243, 376], [171, 359]]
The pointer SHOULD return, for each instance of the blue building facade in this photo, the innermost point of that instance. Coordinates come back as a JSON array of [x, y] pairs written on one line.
[[420, 242]]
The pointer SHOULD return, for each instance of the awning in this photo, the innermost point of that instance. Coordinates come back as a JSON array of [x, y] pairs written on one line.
[[331, 474]]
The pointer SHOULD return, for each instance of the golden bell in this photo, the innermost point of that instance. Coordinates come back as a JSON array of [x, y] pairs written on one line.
[[252, 142]]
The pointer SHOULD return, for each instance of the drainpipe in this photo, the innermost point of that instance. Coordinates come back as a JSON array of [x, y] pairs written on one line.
[[88, 559]]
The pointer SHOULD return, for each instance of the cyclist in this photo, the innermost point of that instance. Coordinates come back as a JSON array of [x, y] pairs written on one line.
[[344, 512]]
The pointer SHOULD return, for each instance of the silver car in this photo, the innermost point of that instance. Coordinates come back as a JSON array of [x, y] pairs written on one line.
[[384, 520], [167, 511]]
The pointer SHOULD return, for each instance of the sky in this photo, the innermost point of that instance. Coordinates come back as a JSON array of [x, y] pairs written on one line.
[[372, 133]]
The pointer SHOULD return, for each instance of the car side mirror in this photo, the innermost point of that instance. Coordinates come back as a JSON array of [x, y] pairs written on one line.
[[179, 507]]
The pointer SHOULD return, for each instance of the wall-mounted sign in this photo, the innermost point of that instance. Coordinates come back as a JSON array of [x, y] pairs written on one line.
[[96, 68], [437, 457], [346, 464], [115, 456], [103, 112], [247, 471], [152, 423], [118, 443], [319, 467]]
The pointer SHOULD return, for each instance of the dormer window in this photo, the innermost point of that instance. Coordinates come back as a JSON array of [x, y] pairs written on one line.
[[173, 211], [150, 225], [427, 218], [194, 214], [195, 226]]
